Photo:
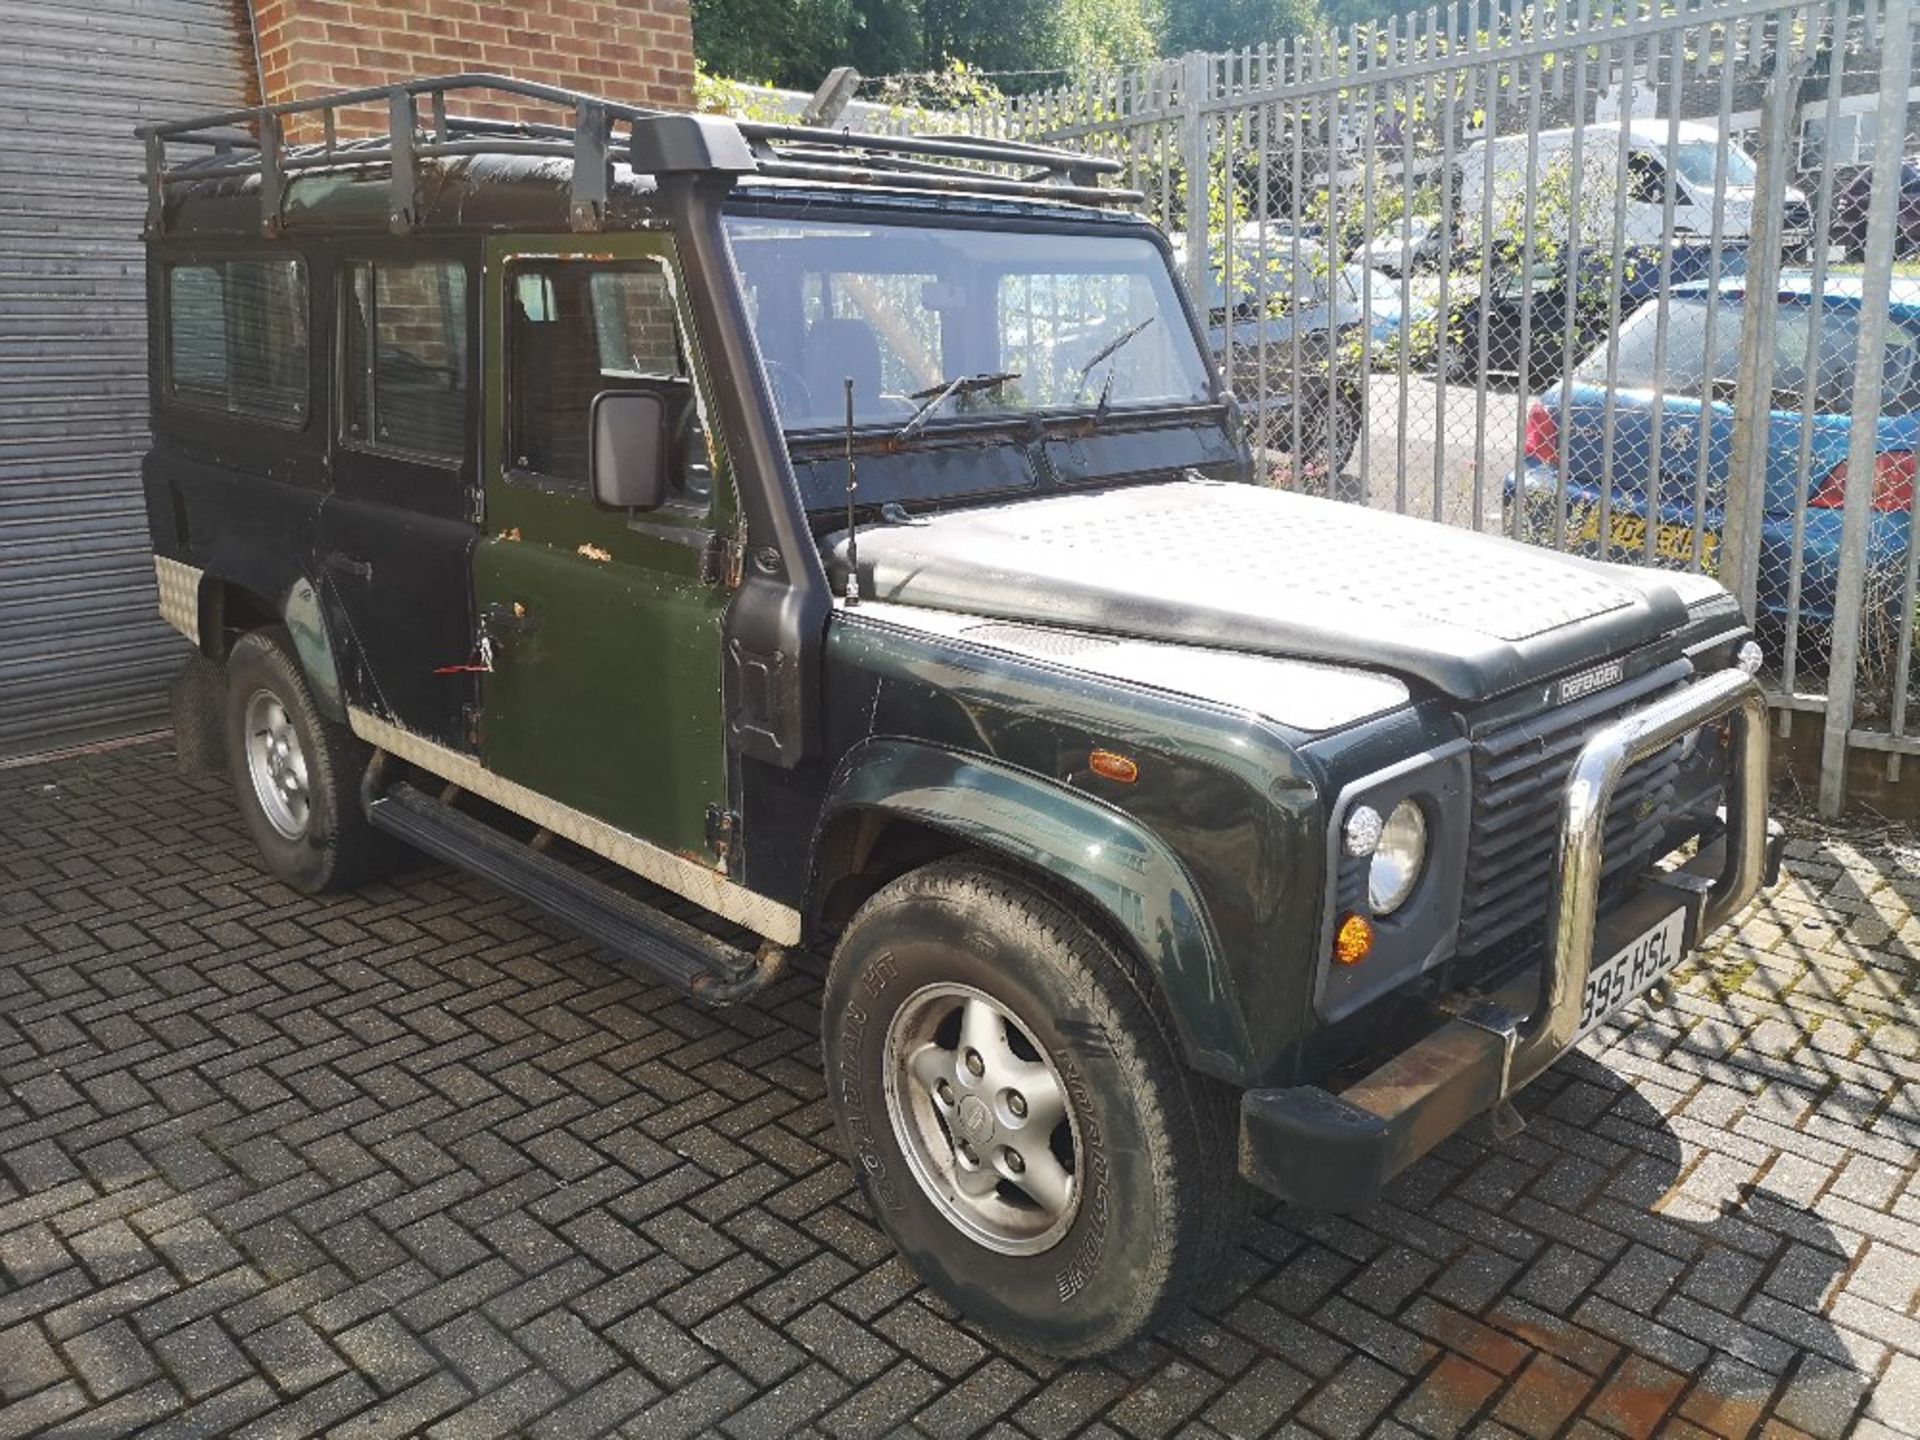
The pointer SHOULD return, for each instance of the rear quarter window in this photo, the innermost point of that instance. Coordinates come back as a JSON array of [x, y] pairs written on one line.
[[403, 358], [237, 337]]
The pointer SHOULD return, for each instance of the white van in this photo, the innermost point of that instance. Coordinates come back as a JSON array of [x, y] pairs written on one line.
[[1697, 154]]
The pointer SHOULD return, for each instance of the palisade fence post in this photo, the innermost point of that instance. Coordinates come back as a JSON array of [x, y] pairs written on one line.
[[1196, 84], [1876, 284], [1753, 383]]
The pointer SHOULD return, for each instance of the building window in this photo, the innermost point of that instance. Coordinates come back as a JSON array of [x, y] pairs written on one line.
[[404, 361], [576, 328], [237, 337]]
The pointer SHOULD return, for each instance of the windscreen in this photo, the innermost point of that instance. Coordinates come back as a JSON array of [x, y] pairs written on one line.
[[1698, 159], [1829, 342], [903, 310]]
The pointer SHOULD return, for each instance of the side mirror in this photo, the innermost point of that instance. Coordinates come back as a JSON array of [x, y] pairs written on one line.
[[627, 450]]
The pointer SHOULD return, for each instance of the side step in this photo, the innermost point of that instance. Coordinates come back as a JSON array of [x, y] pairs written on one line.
[[690, 960]]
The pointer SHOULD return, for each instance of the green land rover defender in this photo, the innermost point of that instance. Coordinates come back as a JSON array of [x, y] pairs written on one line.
[[740, 539]]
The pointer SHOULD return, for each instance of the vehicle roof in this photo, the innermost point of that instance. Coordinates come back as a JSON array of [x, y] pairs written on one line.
[[1650, 128], [1798, 285]]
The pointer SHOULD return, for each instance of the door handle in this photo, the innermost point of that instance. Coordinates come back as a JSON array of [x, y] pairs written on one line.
[[349, 565]]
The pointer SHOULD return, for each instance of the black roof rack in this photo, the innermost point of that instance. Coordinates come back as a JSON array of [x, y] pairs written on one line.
[[252, 141]]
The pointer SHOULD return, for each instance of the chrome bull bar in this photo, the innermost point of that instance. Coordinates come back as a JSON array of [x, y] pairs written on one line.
[[1573, 901]]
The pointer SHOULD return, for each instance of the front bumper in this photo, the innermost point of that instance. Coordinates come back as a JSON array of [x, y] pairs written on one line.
[[1337, 1151]]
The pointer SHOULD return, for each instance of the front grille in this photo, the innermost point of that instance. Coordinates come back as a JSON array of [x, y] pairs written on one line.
[[1519, 771]]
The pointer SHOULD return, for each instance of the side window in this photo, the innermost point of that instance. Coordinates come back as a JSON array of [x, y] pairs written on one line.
[[403, 357], [1646, 179], [237, 337], [576, 328]]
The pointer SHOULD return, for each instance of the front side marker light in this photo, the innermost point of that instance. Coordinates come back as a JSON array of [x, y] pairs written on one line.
[[1363, 831], [1353, 940], [1110, 765]]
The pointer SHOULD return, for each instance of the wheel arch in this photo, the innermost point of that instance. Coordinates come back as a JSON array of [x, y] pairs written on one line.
[[229, 609], [895, 805]]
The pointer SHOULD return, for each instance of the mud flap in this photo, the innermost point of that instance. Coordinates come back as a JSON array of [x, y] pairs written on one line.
[[197, 702]]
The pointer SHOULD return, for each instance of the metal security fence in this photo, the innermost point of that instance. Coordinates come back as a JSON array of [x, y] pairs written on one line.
[[1637, 282]]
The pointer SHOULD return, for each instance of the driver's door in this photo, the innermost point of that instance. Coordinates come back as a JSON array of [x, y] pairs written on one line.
[[602, 628]]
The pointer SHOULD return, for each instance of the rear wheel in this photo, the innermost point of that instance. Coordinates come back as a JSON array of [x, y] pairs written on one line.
[[295, 773], [1017, 1115]]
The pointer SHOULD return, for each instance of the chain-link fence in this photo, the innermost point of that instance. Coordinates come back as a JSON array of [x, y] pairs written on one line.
[[1626, 280]]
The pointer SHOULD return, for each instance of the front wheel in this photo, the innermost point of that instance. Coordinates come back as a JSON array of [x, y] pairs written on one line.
[[1017, 1115]]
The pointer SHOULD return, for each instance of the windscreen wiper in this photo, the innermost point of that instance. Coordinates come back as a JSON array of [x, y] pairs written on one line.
[[1106, 351], [934, 396]]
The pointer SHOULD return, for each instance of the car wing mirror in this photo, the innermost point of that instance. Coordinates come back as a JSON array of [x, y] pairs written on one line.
[[627, 450]]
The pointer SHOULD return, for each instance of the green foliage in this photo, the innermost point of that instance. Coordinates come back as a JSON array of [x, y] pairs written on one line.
[[795, 43], [1232, 24], [1102, 34]]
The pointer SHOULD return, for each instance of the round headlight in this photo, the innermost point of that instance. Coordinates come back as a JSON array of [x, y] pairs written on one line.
[[1397, 859], [1748, 657]]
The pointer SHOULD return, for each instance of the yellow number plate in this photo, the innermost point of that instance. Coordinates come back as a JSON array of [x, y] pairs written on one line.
[[1628, 532]]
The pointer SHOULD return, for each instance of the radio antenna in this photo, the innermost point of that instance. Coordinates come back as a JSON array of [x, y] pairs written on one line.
[[853, 489]]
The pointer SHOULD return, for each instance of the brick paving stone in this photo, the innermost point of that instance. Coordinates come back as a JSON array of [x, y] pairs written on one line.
[[1637, 1397], [883, 1404], [418, 1161], [201, 1358], [1543, 1397], [1166, 1399], [1895, 1400], [795, 1401], [1448, 1397], [1351, 1402], [1728, 1398], [110, 1359], [599, 1408], [27, 1362], [1822, 1398]]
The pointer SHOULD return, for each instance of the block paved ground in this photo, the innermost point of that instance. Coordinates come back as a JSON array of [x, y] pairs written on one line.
[[415, 1161]]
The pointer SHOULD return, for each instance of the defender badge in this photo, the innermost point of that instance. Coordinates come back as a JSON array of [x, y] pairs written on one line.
[[1587, 681]]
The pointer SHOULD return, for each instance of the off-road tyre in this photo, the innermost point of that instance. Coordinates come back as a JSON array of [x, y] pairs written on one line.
[[1159, 1202], [335, 848]]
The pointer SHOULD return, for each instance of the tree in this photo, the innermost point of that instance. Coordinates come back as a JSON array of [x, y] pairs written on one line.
[[794, 43], [1232, 24], [990, 34], [1102, 34]]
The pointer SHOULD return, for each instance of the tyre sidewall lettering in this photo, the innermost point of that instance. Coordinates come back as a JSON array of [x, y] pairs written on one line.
[[1089, 1236], [856, 1115]]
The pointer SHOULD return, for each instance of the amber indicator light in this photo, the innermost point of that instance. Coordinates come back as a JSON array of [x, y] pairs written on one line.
[[1109, 766], [1352, 940]]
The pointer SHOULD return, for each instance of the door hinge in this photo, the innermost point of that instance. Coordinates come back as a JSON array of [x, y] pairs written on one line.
[[722, 828], [720, 562], [477, 505]]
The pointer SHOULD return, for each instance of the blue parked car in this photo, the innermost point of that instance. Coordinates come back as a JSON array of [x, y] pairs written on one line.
[[1696, 391]]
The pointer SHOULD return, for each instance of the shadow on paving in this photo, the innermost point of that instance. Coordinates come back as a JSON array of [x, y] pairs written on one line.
[[416, 1160]]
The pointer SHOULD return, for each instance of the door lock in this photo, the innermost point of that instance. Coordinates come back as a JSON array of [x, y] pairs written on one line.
[[504, 621]]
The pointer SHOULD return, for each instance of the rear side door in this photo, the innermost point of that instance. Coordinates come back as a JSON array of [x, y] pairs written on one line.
[[397, 528], [603, 628]]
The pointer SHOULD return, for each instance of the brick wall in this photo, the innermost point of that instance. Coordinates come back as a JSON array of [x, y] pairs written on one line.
[[638, 51]]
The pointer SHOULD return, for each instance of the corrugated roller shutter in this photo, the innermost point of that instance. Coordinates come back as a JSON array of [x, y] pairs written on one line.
[[83, 654]]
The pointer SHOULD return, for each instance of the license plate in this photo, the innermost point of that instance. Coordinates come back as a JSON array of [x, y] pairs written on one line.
[[1628, 532], [1617, 979]]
